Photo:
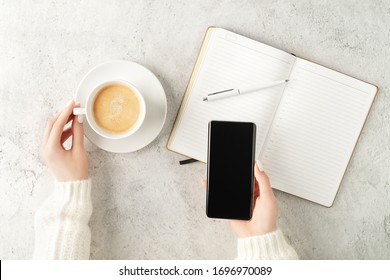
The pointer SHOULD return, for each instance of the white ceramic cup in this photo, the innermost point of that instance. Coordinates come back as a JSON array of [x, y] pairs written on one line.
[[88, 110]]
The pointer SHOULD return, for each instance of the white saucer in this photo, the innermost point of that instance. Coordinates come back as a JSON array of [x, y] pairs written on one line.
[[148, 85]]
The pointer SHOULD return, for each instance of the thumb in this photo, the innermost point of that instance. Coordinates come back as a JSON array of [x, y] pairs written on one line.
[[263, 180], [78, 133], [204, 184]]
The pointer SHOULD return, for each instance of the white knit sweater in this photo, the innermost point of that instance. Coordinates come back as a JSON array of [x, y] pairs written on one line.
[[62, 231], [61, 223]]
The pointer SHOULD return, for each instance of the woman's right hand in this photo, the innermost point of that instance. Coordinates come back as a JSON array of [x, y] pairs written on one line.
[[265, 212]]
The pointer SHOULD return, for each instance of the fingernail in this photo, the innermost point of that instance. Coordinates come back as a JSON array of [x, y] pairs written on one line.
[[77, 103], [80, 119], [70, 102], [259, 165]]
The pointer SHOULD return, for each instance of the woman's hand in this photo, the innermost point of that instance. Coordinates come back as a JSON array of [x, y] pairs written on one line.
[[265, 212], [66, 165]]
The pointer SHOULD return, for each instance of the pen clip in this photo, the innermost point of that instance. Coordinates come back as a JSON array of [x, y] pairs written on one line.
[[214, 93]]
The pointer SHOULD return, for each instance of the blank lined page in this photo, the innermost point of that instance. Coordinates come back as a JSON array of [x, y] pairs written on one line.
[[230, 60], [315, 131]]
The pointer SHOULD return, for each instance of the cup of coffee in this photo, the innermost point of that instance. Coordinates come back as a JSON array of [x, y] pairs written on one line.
[[114, 109]]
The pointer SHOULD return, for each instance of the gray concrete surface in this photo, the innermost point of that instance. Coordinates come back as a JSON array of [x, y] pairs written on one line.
[[146, 206]]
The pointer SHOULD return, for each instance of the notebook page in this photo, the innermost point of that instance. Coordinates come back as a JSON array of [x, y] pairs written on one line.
[[315, 130], [231, 60]]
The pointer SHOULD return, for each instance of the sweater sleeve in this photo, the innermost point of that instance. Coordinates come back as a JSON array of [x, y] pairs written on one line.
[[270, 246], [61, 223]]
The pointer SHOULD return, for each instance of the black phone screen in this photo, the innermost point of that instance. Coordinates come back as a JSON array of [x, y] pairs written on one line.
[[231, 155]]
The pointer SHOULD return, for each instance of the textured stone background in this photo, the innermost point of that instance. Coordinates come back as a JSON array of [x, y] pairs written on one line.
[[146, 206]]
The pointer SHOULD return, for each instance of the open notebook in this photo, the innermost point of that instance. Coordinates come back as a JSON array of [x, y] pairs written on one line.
[[307, 129]]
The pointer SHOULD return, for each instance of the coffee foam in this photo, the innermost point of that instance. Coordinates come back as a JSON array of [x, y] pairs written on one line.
[[116, 108]]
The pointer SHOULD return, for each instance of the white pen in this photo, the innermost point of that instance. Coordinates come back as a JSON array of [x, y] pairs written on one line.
[[236, 91]]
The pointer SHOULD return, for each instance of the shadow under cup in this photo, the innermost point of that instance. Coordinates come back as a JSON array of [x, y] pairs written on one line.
[[116, 105]]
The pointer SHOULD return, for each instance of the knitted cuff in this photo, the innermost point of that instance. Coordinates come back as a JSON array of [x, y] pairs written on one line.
[[268, 246], [74, 197]]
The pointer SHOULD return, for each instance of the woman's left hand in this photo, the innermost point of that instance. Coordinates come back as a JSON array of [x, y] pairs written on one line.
[[66, 165]]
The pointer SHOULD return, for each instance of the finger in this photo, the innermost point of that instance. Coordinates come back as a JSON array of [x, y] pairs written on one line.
[[78, 134], [49, 126], [263, 181], [204, 184], [256, 202], [58, 127], [256, 191], [66, 134], [71, 117]]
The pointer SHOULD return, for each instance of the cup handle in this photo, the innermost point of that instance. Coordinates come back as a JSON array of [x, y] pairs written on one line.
[[79, 111]]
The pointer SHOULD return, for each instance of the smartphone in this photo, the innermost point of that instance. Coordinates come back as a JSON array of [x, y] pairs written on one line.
[[230, 162]]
